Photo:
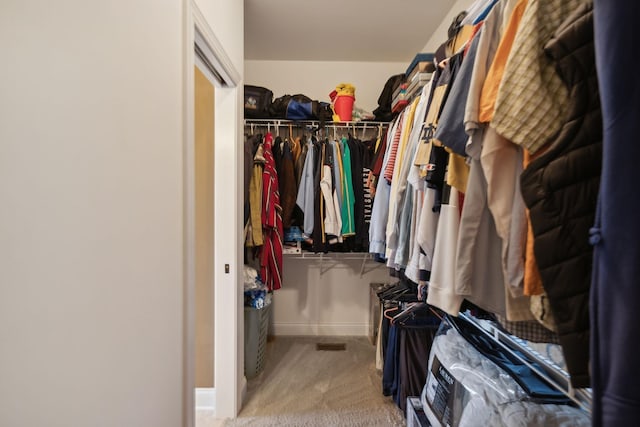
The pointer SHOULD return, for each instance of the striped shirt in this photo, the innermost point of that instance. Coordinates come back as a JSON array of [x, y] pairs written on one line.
[[393, 151]]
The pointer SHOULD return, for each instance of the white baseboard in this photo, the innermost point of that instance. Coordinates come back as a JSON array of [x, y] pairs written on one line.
[[243, 393], [321, 329], [206, 399]]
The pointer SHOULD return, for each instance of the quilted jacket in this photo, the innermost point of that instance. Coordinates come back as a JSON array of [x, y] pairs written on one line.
[[561, 189]]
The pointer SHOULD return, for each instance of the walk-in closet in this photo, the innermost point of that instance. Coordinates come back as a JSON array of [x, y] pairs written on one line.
[[338, 213], [440, 247]]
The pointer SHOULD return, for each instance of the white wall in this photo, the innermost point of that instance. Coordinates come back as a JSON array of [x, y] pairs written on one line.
[[439, 36], [317, 79], [328, 297], [226, 18], [91, 218]]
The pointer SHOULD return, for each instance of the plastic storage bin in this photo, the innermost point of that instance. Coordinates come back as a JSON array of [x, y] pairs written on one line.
[[256, 326]]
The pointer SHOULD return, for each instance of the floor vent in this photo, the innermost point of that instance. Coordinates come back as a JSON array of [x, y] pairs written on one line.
[[327, 346]]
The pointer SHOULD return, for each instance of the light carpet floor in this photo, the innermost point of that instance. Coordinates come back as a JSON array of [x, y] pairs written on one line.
[[301, 386]]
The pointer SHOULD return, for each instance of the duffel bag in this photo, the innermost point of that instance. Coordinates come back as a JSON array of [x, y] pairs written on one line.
[[257, 101]]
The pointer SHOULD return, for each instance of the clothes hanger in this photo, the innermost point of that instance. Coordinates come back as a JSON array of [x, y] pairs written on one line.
[[436, 313], [383, 288], [396, 291], [409, 310], [422, 291], [386, 312]]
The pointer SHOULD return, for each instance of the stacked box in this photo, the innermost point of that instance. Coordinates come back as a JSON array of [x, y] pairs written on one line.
[[422, 63], [417, 83]]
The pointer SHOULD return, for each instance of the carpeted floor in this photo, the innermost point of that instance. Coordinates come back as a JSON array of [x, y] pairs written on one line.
[[301, 386]]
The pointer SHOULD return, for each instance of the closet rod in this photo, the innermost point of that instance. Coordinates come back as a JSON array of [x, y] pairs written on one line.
[[333, 255], [283, 122]]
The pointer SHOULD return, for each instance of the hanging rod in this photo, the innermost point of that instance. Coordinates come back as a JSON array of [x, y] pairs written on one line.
[[331, 255], [284, 122]]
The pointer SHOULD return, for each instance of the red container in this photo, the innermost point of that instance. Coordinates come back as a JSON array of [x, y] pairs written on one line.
[[343, 107]]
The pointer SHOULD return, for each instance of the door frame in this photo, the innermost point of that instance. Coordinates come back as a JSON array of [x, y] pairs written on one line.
[[230, 383]]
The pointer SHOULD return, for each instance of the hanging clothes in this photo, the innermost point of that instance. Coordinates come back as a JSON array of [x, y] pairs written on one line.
[[376, 165], [487, 45], [419, 268], [360, 241], [443, 273], [305, 198], [271, 256], [473, 246], [254, 236], [399, 183], [407, 215], [615, 288], [495, 73], [480, 275], [348, 197], [288, 184], [250, 145], [368, 153], [561, 190], [502, 163], [457, 170], [335, 170], [531, 105], [450, 129], [450, 132], [380, 209], [477, 12], [332, 217], [338, 171], [319, 242], [296, 150], [300, 159]]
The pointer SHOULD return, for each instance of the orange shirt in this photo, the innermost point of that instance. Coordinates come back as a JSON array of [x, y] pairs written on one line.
[[532, 279], [496, 71]]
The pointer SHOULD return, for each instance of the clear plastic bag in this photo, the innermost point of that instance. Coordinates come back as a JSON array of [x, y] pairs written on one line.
[[466, 389], [256, 294]]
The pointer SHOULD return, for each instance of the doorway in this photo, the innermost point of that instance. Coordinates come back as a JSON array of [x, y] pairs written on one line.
[[204, 127], [213, 216]]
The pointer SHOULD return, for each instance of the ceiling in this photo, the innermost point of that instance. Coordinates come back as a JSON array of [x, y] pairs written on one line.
[[340, 30]]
